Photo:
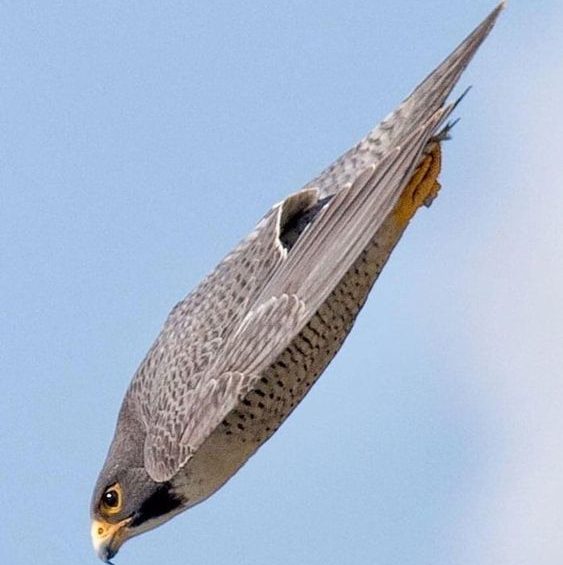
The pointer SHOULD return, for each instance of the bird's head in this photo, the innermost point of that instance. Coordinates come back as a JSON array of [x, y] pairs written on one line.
[[126, 500]]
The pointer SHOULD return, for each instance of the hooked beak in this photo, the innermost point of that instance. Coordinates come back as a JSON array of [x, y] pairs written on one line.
[[108, 538]]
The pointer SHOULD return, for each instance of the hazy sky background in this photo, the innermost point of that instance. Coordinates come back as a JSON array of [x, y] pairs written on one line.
[[141, 140]]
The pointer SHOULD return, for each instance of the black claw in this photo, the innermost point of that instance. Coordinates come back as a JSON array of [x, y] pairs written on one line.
[[444, 133]]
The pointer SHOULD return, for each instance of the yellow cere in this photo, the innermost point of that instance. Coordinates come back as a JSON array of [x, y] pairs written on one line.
[[103, 533]]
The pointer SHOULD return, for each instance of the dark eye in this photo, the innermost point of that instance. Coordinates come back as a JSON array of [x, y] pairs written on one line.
[[111, 498]]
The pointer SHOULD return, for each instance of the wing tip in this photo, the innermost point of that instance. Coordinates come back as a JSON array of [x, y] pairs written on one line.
[[436, 87], [469, 46], [501, 6], [491, 19]]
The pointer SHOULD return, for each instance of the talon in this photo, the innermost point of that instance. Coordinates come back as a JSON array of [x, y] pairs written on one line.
[[444, 133], [432, 195]]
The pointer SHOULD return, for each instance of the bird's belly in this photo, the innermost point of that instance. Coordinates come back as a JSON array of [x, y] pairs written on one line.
[[286, 382]]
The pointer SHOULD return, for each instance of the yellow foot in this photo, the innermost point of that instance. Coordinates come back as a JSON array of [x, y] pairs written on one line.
[[423, 186]]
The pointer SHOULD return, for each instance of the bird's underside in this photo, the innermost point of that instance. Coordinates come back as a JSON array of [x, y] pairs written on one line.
[[285, 382], [238, 354]]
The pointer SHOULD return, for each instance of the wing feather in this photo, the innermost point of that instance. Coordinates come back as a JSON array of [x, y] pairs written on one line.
[[292, 295], [426, 99], [220, 338]]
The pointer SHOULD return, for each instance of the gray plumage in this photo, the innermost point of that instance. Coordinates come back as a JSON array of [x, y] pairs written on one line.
[[241, 351]]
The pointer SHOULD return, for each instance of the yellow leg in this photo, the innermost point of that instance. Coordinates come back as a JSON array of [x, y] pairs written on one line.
[[423, 186]]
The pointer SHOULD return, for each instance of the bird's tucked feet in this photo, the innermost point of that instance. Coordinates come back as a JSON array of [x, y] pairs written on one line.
[[423, 186]]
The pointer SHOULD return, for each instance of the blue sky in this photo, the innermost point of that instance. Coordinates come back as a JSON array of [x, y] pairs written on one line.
[[141, 140]]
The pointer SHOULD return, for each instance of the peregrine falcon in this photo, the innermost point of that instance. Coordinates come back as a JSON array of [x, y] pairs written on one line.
[[239, 353]]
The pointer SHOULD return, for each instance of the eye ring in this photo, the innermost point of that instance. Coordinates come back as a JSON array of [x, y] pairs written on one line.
[[112, 500]]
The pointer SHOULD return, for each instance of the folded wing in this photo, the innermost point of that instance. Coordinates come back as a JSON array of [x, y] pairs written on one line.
[[261, 296]]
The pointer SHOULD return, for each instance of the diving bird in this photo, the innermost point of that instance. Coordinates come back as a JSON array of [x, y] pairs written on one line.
[[239, 353]]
